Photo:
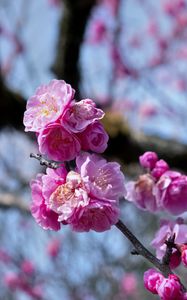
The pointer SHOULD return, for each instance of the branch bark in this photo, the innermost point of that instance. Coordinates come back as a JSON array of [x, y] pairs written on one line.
[[141, 250]]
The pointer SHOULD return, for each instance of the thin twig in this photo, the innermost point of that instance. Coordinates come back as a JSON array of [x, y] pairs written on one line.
[[141, 250]]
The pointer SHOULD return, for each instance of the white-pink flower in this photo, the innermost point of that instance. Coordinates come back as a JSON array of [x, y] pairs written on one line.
[[105, 179], [167, 229], [47, 105]]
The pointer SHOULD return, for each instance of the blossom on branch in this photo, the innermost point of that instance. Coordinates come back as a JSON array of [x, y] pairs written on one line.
[[86, 198]]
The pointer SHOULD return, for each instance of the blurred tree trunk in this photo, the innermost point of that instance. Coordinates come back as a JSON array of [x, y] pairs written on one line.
[[72, 28], [12, 107]]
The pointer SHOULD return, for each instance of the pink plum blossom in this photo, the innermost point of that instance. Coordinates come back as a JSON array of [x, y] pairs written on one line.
[[98, 216], [81, 114], [142, 193], [57, 143], [171, 192], [148, 160], [104, 179], [86, 198], [167, 229], [44, 216], [94, 138], [152, 280], [47, 105], [170, 288], [68, 198]]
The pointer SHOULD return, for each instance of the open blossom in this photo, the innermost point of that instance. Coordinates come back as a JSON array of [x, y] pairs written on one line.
[[47, 104], [57, 143], [86, 198], [94, 138], [172, 192], [167, 229], [81, 114], [105, 179], [45, 217]]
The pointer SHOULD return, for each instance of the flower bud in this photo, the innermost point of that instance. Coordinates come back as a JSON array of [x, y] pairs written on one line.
[[148, 160]]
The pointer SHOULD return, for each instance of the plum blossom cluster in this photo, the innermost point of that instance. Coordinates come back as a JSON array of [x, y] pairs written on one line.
[[159, 189], [166, 288], [179, 251], [63, 126], [87, 196]]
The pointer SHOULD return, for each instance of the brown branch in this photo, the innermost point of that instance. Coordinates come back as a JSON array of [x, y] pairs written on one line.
[[141, 250], [10, 201]]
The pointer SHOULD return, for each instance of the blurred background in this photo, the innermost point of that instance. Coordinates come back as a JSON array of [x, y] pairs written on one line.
[[130, 57]]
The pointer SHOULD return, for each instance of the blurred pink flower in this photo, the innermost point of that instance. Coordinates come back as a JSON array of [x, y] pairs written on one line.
[[47, 105], [167, 229], [129, 284], [27, 267], [57, 143], [4, 256], [53, 247], [81, 114], [12, 280]]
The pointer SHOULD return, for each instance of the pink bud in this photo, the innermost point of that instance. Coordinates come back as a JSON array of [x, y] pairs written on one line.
[[184, 254], [152, 279], [170, 288], [175, 259], [160, 168], [148, 160]]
